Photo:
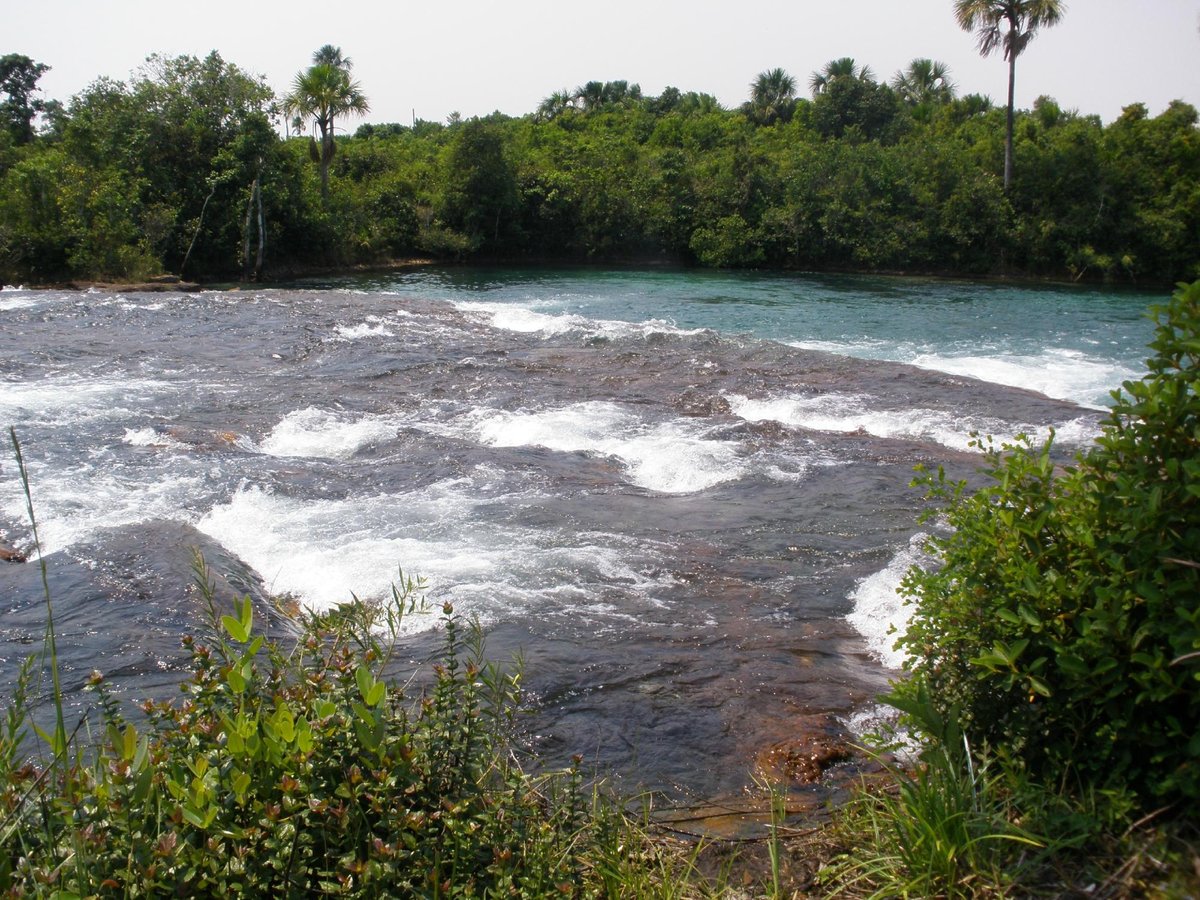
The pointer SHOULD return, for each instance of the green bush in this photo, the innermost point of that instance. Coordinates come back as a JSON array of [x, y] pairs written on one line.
[[1062, 627], [303, 773]]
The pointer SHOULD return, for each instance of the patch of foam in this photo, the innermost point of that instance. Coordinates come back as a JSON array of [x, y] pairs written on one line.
[[523, 319], [880, 614], [672, 457], [852, 413], [68, 399], [1055, 372], [373, 327], [323, 550], [74, 503], [321, 434], [9, 304], [149, 437]]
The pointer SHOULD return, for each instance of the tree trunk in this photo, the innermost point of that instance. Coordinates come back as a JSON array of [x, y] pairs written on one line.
[[246, 231], [1008, 130], [196, 233], [262, 234]]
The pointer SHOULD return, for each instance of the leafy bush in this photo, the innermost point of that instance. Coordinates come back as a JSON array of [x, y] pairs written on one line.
[[1063, 625], [301, 773]]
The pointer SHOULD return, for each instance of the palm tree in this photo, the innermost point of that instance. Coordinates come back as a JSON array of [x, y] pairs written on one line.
[[555, 105], [330, 55], [924, 81], [1010, 24], [590, 96], [772, 96], [838, 68], [324, 92]]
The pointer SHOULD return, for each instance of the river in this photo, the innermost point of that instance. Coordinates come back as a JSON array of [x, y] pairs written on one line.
[[682, 496]]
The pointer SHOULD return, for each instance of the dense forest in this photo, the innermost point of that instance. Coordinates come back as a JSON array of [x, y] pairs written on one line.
[[183, 169]]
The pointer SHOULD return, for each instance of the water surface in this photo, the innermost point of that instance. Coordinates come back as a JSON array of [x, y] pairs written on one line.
[[669, 490]]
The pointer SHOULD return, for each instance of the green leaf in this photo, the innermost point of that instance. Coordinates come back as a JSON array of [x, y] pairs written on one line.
[[376, 694], [304, 736], [197, 818], [236, 681], [365, 680], [240, 626], [234, 628]]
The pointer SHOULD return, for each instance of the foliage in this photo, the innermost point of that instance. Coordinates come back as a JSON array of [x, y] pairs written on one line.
[[19, 76], [772, 97], [156, 174], [324, 92], [303, 771], [1063, 625], [1007, 25]]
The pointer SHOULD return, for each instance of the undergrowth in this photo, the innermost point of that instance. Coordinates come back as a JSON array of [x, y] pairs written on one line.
[[301, 771]]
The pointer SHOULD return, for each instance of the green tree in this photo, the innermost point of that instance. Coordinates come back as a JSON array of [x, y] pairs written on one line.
[[18, 81], [924, 82], [837, 69], [325, 92], [481, 189], [855, 108], [330, 55], [772, 97], [1011, 25]]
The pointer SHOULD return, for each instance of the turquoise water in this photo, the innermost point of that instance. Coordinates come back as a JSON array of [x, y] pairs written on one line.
[[1069, 342]]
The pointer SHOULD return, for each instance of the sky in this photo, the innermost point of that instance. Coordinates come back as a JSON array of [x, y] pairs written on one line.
[[429, 59]]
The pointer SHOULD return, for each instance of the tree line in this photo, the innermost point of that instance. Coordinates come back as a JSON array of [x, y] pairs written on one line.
[[182, 169]]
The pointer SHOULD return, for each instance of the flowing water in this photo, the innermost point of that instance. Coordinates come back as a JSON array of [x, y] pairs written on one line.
[[682, 496]]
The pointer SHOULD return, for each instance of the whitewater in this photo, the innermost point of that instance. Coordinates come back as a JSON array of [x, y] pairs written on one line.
[[682, 497]]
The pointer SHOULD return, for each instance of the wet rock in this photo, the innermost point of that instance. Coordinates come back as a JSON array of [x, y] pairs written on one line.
[[818, 744], [696, 403], [11, 554]]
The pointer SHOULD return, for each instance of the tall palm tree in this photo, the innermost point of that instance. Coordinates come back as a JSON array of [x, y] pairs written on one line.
[[772, 96], [1011, 25], [324, 92], [838, 68], [924, 81]]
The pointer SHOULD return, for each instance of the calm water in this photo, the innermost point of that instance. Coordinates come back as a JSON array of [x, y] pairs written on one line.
[[683, 496]]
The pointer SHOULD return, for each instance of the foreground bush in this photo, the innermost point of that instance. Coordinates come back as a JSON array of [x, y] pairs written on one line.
[[1062, 628], [302, 773]]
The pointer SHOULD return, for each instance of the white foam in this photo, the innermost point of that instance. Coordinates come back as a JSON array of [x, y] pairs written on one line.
[[373, 327], [671, 457], [523, 320], [74, 503], [880, 614], [1055, 372], [149, 437], [321, 434], [9, 304], [852, 413], [68, 399], [322, 551]]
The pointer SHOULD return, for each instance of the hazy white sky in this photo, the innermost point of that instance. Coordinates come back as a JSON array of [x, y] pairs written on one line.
[[474, 56]]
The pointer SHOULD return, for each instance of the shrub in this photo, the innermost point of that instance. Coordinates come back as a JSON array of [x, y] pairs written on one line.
[[301, 773], [1063, 625]]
